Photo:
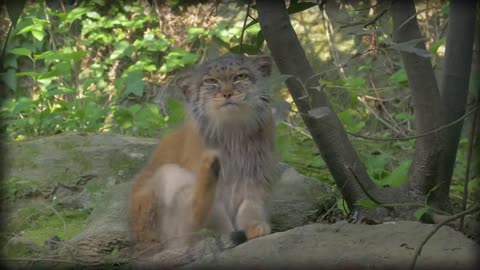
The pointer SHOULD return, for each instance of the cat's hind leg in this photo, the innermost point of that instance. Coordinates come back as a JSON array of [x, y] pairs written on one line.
[[143, 215]]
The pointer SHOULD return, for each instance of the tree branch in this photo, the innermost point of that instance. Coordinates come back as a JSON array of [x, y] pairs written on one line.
[[426, 101], [333, 144], [454, 90], [471, 210], [245, 24]]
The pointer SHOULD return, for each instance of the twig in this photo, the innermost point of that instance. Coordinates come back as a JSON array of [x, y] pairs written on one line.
[[301, 131], [327, 25], [471, 210], [469, 161], [244, 25], [363, 188], [378, 116], [420, 135], [6, 40], [369, 22], [61, 218], [385, 110], [372, 6], [374, 20], [62, 261], [403, 138], [407, 20], [382, 99]]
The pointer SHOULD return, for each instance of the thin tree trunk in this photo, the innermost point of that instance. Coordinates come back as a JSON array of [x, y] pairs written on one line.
[[475, 97], [426, 101], [454, 88], [327, 130]]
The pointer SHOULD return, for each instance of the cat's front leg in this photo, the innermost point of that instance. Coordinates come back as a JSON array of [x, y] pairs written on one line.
[[252, 218]]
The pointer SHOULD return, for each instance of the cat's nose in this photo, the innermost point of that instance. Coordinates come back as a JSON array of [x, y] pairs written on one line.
[[227, 95]]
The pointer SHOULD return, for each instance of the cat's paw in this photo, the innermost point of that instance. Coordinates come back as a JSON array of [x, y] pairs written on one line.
[[257, 230]]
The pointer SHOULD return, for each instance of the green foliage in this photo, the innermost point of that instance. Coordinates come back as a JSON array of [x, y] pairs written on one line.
[[77, 81], [92, 68], [74, 70], [367, 204], [17, 188], [41, 224]]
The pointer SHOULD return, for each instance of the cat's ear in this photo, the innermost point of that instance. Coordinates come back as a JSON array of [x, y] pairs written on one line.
[[263, 63], [183, 82]]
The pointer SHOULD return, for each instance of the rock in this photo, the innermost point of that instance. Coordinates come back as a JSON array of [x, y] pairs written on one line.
[[107, 228], [350, 246], [19, 246], [295, 196], [79, 171], [69, 162], [97, 171]]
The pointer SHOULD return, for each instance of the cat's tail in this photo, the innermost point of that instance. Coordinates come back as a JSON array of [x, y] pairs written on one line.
[[238, 237], [205, 186]]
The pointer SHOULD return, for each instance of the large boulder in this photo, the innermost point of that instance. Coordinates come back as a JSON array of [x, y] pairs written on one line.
[[351, 246], [94, 172]]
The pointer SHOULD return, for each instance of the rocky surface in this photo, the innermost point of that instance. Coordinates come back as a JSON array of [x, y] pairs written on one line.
[[88, 172], [351, 246]]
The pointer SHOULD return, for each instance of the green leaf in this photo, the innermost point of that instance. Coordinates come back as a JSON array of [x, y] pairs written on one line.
[[10, 61], [251, 23], [134, 83], [369, 204], [178, 58], [196, 32], [152, 43], [260, 39], [60, 91], [437, 44], [398, 176], [28, 73], [21, 51], [38, 34], [176, 112], [135, 108], [376, 166], [399, 77], [420, 212], [10, 79], [296, 7], [23, 104], [122, 49], [225, 32], [93, 15], [351, 120], [403, 116], [245, 48], [123, 117], [355, 82]]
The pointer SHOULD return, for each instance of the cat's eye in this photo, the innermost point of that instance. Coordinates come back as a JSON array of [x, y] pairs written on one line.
[[240, 77], [210, 81]]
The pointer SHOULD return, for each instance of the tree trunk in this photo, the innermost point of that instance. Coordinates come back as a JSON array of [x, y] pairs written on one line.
[[327, 130], [474, 102], [426, 101], [454, 88]]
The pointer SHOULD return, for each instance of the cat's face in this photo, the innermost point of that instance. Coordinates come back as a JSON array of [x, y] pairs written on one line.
[[225, 89]]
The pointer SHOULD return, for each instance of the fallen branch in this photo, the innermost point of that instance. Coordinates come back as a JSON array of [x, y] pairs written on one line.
[[471, 210]]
